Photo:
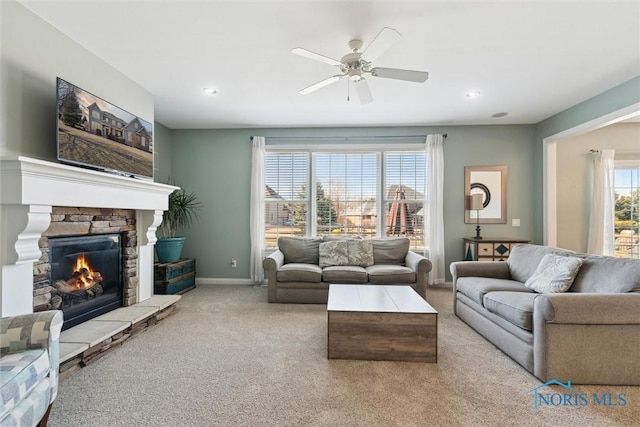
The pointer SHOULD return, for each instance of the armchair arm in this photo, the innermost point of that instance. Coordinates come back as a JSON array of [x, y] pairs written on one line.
[[32, 331], [422, 266], [271, 264], [588, 338]]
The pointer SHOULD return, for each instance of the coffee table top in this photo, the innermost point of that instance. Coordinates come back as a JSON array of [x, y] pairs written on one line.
[[376, 298]]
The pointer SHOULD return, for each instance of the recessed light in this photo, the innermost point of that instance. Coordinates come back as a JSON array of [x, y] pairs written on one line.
[[472, 94], [498, 115], [210, 91]]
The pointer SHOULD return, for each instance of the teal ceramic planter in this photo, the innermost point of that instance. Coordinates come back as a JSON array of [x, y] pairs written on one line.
[[169, 249]]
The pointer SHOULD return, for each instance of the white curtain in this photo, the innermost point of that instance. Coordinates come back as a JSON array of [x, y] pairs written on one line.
[[601, 221], [256, 206], [434, 203]]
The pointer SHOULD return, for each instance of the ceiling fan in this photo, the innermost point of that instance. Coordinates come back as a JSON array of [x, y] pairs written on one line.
[[357, 63]]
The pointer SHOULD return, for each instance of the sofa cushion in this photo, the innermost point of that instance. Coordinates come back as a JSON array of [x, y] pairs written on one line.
[[390, 250], [296, 272], [607, 274], [475, 288], [303, 250], [334, 253], [344, 274], [20, 373], [516, 307], [554, 274], [524, 259], [360, 252], [390, 274]]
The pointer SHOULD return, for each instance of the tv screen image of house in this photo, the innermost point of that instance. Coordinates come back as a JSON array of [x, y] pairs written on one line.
[[95, 133]]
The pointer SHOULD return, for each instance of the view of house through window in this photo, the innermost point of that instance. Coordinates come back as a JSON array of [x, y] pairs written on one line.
[[367, 194], [627, 210]]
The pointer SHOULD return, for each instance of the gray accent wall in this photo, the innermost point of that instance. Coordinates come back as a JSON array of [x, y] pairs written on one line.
[[33, 54], [162, 139], [216, 164]]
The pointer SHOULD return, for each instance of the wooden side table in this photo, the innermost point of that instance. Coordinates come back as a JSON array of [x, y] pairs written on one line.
[[489, 249]]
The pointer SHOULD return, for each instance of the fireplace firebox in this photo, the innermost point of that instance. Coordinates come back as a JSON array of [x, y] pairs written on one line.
[[86, 275]]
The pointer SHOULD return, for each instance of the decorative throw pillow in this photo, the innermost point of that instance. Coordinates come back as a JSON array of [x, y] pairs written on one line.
[[360, 252], [554, 274], [334, 253]]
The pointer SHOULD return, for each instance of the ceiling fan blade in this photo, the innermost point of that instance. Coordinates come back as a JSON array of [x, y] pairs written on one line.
[[314, 87], [395, 73], [315, 56], [363, 91], [386, 38]]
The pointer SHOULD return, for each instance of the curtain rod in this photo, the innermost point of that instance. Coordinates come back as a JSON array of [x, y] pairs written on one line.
[[346, 138], [593, 151]]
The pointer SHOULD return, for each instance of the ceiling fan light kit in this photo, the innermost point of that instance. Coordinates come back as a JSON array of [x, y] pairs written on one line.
[[355, 64]]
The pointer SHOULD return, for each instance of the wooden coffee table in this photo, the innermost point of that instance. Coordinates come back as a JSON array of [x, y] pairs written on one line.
[[376, 322]]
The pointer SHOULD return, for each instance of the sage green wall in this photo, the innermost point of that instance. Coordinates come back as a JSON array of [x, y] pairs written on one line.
[[216, 164], [575, 176]]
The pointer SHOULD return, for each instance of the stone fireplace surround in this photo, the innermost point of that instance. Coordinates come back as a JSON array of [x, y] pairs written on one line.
[[29, 191]]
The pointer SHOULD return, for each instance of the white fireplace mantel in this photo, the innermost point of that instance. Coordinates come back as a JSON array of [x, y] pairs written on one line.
[[29, 188]]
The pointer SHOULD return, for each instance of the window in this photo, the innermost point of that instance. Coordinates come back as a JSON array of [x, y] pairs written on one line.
[[286, 177], [346, 189], [366, 193], [627, 209]]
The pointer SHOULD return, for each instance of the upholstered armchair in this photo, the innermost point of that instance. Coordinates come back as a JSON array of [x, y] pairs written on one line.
[[29, 360]]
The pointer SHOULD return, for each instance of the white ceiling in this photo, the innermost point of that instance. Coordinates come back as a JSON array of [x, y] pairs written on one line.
[[531, 59]]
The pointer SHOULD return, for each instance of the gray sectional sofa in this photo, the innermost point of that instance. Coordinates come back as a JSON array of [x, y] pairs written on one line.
[[588, 334], [302, 268]]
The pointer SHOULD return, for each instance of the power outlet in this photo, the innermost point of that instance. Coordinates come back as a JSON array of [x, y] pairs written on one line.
[[515, 222], [234, 262]]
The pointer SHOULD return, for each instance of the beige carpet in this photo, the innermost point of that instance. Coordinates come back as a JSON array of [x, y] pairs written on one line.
[[228, 358]]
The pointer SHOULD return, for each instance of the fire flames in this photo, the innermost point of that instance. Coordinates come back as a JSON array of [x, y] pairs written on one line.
[[82, 277], [82, 272], [83, 280]]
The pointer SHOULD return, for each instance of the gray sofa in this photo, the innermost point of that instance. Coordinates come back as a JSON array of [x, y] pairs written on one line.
[[589, 334], [297, 270]]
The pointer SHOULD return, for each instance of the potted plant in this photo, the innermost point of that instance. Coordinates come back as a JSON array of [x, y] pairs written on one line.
[[183, 209]]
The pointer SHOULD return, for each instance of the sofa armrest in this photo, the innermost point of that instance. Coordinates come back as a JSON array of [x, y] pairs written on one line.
[[587, 338], [421, 266], [494, 269], [588, 308], [33, 331], [271, 264]]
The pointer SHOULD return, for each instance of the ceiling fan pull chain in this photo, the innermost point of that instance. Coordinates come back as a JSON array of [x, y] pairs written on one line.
[[348, 98]]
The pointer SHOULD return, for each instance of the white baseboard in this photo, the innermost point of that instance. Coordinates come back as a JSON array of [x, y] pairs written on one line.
[[216, 281]]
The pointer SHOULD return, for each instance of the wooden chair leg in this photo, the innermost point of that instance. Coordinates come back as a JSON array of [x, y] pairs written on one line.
[[45, 417]]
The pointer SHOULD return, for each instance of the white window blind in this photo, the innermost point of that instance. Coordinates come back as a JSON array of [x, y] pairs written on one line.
[[286, 195], [345, 197], [404, 190], [366, 193]]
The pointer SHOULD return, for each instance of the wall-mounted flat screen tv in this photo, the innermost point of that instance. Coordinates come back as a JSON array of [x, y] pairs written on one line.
[[96, 134]]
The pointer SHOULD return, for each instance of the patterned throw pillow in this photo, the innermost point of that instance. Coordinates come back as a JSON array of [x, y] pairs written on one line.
[[554, 274], [360, 252], [334, 253]]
